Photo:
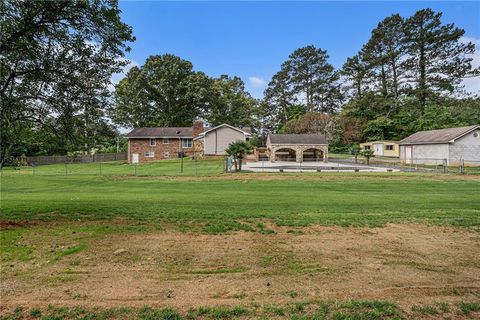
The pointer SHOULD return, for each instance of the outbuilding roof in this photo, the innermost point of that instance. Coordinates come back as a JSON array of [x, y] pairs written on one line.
[[171, 132], [226, 125], [207, 130], [438, 136], [297, 139]]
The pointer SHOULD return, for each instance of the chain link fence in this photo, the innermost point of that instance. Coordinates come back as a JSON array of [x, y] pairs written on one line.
[[180, 167], [469, 166], [99, 157], [431, 165], [213, 166]]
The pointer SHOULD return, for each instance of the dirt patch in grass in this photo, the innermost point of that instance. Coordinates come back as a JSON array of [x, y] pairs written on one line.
[[4, 225], [409, 264]]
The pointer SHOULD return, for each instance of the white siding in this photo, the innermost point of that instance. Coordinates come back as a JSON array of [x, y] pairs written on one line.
[[426, 153], [430, 153], [216, 141], [467, 147]]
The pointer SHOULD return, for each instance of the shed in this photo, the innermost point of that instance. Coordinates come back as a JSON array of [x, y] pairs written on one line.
[[450, 145], [387, 148]]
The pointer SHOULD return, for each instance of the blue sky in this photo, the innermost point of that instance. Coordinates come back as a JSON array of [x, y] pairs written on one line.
[[252, 39]]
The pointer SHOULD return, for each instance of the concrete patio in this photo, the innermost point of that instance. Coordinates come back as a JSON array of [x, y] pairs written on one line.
[[313, 166]]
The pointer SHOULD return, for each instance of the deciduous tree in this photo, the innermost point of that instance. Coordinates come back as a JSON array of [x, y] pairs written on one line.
[[229, 102], [56, 61], [164, 92]]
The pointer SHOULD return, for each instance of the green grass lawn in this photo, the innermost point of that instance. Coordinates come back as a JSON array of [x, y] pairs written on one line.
[[221, 203], [90, 213], [351, 309]]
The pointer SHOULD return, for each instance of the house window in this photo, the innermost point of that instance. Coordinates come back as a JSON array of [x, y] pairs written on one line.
[[166, 154], [152, 142], [366, 147], [149, 154], [186, 143], [389, 147], [166, 140]]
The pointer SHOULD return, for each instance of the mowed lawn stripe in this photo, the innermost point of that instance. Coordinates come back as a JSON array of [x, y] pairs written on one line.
[[343, 200]]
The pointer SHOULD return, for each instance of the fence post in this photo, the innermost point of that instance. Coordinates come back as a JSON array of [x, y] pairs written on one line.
[[462, 166], [196, 162], [181, 163], [445, 168]]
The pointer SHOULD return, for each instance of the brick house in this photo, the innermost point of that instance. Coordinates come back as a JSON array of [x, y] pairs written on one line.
[[150, 144]]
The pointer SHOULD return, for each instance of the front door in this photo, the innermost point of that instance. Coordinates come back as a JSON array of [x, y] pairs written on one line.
[[378, 149], [408, 154], [135, 157]]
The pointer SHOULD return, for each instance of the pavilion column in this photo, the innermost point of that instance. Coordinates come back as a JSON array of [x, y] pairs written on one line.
[[272, 155], [299, 155], [325, 154]]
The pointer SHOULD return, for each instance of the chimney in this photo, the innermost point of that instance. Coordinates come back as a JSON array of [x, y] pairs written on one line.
[[197, 127]]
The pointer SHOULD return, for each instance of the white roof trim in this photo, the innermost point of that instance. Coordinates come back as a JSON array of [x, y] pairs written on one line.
[[465, 133], [225, 125]]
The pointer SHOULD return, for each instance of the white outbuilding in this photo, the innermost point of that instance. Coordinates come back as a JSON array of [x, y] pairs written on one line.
[[449, 145]]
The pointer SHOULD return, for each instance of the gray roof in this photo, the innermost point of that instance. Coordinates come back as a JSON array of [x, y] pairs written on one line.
[[297, 139], [181, 132], [438, 136]]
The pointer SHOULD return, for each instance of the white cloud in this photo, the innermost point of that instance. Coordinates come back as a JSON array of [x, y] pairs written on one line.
[[472, 85], [257, 82]]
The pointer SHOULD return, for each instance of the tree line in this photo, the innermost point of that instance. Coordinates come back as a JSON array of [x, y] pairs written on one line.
[[407, 77], [57, 60], [167, 92]]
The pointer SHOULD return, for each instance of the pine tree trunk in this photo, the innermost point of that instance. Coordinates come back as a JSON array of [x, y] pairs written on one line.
[[384, 81], [395, 79], [422, 82]]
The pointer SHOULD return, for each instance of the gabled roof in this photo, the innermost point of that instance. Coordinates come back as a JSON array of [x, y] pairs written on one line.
[[297, 139], [172, 132], [225, 125], [438, 136]]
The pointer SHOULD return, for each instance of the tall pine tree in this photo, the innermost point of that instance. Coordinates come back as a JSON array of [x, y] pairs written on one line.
[[437, 60]]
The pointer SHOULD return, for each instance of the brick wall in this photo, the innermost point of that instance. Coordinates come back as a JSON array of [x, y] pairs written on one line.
[[197, 127], [141, 146]]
